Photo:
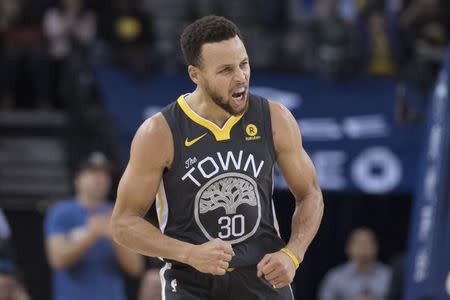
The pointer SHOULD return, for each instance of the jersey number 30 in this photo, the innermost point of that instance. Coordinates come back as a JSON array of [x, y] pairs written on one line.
[[234, 226]]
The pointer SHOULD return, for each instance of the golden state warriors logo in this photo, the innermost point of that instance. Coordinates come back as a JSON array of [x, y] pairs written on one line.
[[252, 132], [228, 207]]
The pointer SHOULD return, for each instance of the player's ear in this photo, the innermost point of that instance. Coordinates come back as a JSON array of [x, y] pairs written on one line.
[[194, 73]]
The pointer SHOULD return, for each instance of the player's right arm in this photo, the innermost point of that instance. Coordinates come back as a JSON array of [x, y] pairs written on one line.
[[151, 152]]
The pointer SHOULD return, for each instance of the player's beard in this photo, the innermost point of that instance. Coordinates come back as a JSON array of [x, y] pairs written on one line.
[[222, 103]]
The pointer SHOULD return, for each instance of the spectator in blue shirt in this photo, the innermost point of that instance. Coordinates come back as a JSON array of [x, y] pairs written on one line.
[[5, 232], [86, 262]]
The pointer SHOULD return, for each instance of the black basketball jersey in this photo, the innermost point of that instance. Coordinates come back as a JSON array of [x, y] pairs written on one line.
[[220, 183]]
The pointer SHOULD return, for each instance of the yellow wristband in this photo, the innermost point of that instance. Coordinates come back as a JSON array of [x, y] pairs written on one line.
[[291, 255]]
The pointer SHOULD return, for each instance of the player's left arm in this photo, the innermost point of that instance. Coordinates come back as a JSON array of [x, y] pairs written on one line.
[[299, 172]]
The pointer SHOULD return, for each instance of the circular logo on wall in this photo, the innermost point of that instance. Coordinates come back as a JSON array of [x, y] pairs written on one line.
[[228, 207], [377, 170]]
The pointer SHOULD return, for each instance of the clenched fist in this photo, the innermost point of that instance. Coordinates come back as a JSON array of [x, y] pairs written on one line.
[[211, 257], [277, 268]]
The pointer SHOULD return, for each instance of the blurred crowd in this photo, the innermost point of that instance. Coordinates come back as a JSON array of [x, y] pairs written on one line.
[[334, 39], [11, 286], [84, 260], [86, 263]]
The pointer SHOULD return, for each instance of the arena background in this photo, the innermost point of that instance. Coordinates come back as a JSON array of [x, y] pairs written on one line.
[[362, 78]]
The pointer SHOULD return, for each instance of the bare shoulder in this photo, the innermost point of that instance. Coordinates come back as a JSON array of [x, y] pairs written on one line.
[[277, 108], [153, 141], [280, 115], [284, 126], [155, 126]]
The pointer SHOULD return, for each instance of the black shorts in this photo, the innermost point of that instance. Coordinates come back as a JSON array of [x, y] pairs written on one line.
[[184, 282]]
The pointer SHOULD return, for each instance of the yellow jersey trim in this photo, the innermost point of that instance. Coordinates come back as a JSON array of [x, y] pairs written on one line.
[[221, 134], [161, 208]]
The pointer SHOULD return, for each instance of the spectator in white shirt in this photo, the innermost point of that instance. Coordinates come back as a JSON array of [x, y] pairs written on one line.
[[362, 277], [69, 28], [68, 25], [5, 231]]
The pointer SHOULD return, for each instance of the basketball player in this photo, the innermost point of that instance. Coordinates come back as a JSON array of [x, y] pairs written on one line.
[[209, 157]]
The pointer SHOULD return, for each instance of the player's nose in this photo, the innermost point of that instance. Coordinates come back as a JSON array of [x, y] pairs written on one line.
[[240, 76]]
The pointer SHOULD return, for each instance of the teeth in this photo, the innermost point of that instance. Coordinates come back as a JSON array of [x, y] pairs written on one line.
[[240, 90]]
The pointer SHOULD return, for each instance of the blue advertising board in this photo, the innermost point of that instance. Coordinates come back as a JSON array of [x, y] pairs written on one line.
[[348, 127]]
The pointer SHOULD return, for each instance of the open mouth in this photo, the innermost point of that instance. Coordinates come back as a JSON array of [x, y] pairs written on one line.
[[239, 94]]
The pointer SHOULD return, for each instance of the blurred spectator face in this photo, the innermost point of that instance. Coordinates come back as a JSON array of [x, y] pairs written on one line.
[[150, 286], [430, 5], [10, 7], [72, 6], [7, 284], [10, 289], [327, 8], [394, 6], [9, 10], [362, 247], [434, 34], [94, 183], [376, 23]]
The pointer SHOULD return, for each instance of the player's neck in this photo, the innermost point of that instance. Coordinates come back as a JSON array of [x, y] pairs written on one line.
[[205, 107], [88, 202], [364, 267]]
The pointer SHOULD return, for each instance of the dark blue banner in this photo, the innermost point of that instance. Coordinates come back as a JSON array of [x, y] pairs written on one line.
[[348, 128], [428, 271]]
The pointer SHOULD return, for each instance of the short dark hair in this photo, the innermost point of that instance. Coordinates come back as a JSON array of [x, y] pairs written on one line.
[[209, 29], [96, 160]]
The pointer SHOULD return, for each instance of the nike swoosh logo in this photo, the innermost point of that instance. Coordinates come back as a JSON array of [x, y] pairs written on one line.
[[188, 143]]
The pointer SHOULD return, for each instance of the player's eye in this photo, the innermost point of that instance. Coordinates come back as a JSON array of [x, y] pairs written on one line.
[[225, 70]]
